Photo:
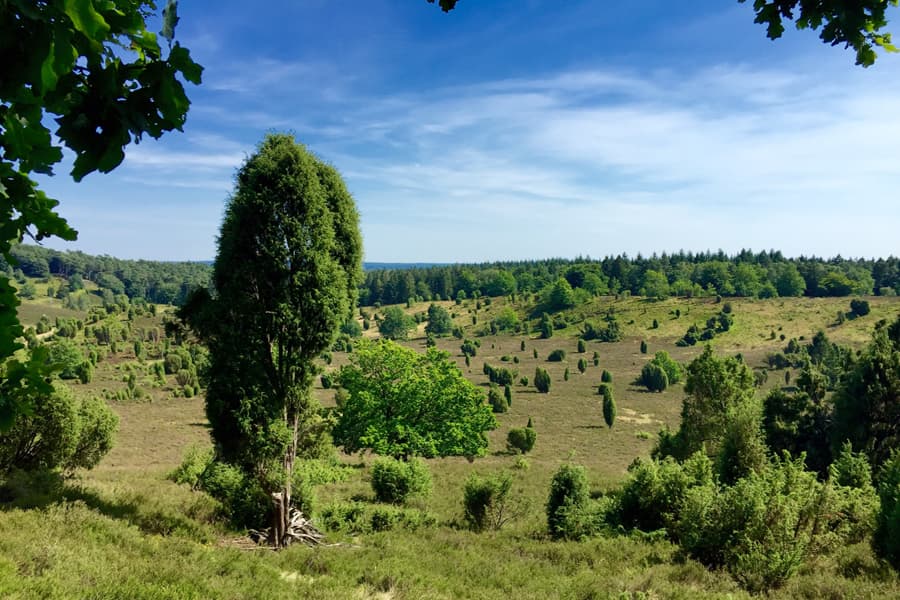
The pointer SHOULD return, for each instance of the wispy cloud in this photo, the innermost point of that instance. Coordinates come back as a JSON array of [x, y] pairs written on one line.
[[621, 146]]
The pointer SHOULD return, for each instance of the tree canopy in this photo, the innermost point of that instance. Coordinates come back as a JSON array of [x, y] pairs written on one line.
[[94, 70], [856, 24], [285, 277], [402, 403]]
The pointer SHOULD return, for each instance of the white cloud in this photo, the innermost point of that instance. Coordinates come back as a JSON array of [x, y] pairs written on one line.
[[652, 154]]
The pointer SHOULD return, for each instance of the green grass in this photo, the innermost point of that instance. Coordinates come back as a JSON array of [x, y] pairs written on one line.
[[123, 530]]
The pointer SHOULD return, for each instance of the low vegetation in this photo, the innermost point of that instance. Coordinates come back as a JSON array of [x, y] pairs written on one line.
[[712, 506]]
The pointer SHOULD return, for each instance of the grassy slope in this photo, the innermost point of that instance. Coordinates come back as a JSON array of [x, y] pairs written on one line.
[[124, 531]]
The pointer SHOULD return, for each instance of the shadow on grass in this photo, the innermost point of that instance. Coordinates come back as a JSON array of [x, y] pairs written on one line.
[[42, 489]]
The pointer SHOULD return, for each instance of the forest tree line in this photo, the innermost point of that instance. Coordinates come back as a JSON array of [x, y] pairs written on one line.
[[158, 282], [765, 274]]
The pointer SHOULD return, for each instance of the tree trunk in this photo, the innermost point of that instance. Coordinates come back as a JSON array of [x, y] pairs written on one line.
[[279, 519]]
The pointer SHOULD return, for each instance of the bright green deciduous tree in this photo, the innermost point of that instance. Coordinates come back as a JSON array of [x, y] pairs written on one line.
[[439, 321], [284, 280], [396, 324], [95, 70], [402, 403]]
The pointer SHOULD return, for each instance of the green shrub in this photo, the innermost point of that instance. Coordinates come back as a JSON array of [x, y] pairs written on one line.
[[542, 380], [496, 400], [59, 433], [97, 426], [521, 439], [568, 492], [359, 518], [609, 404], [764, 527], [557, 355], [196, 460], [487, 502], [242, 499], [652, 496], [85, 371], [606, 377], [581, 347], [643, 347], [327, 380], [396, 481], [654, 377], [859, 307], [66, 356], [582, 365]]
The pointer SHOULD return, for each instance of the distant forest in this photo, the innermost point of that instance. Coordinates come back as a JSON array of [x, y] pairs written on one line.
[[153, 281], [764, 275]]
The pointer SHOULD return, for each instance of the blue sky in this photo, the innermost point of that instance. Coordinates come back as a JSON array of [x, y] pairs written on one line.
[[516, 129]]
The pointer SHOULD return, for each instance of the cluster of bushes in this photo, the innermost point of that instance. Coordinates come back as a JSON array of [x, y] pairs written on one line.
[[660, 372], [359, 518], [715, 325], [611, 332], [242, 500], [470, 347], [500, 375], [761, 529]]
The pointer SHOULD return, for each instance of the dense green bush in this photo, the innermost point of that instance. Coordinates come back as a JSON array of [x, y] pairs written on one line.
[[470, 347], [568, 492], [643, 347], [327, 380], [395, 481], [59, 433], [764, 527], [542, 380], [243, 501], [488, 502], [557, 355], [66, 357], [609, 404], [606, 377], [660, 372], [521, 439], [500, 375], [361, 518], [654, 377], [859, 307], [654, 492], [582, 365], [580, 346], [496, 400]]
